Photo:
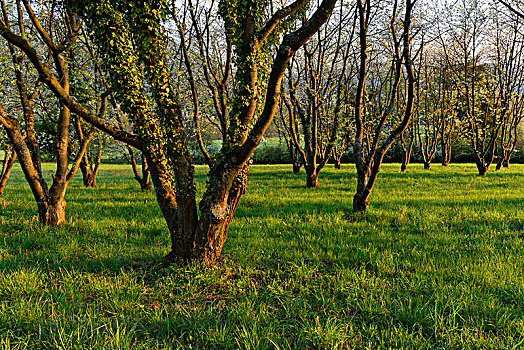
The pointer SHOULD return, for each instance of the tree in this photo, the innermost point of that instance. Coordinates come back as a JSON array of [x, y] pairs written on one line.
[[130, 38], [143, 179], [479, 102], [319, 81], [508, 58], [288, 128], [370, 148], [427, 120], [50, 200]]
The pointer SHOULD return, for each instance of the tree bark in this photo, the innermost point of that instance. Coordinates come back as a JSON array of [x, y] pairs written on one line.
[[427, 165], [9, 161], [481, 166], [88, 175], [361, 199], [337, 164], [143, 180], [312, 180], [214, 222], [296, 168], [52, 212]]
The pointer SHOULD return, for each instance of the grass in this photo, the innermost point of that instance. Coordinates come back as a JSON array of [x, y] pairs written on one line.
[[436, 263]]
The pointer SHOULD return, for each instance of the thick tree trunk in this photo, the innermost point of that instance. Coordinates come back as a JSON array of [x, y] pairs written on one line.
[[52, 213], [482, 168], [337, 164], [361, 199], [360, 202], [88, 175], [214, 222], [427, 165], [9, 161], [403, 167], [312, 180]]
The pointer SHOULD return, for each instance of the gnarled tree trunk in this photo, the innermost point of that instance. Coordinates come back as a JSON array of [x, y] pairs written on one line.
[[311, 177]]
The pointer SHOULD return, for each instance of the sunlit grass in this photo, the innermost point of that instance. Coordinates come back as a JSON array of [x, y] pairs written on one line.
[[437, 262]]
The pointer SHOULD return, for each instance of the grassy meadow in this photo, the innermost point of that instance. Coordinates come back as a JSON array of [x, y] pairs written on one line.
[[436, 263]]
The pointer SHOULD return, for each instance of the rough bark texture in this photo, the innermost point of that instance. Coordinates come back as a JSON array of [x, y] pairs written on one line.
[[88, 176], [311, 179], [52, 212]]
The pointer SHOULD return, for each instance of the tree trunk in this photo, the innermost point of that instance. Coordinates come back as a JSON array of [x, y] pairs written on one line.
[[427, 165], [360, 202], [52, 213], [337, 164], [505, 163], [444, 160], [9, 161], [204, 237], [296, 168], [499, 164], [145, 184], [145, 179], [214, 224], [312, 180], [403, 167], [482, 168], [88, 175], [361, 199]]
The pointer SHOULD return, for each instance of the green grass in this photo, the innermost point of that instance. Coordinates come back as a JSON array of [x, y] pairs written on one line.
[[437, 262]]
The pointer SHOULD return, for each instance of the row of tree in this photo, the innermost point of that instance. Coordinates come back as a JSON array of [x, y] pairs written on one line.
[[469, 80], [165, 78]]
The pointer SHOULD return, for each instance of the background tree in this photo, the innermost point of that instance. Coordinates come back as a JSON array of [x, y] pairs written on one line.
[[289, 128], [370, 148], [429, 112], [507, 55], [465, 50], [318, 81], [50, 200]]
